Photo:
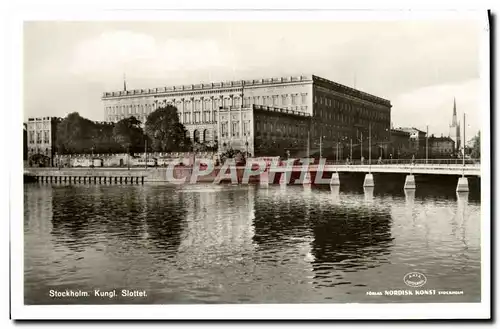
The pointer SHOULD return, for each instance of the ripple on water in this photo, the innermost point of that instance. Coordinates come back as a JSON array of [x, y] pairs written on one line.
[[241, 244]]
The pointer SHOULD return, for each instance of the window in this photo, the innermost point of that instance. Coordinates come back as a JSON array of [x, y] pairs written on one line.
[[275, 100], [246, 128], [304, 98], [234, 129], [32, 137], [46, 136], [294, 99], [284, 100], [223, 129]]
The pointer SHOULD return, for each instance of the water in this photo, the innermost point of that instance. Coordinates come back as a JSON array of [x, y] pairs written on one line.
[[245, 244]]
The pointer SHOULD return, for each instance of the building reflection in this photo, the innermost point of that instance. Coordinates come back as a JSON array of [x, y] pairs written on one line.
[[330, 238], [103, 213], [349, 239]]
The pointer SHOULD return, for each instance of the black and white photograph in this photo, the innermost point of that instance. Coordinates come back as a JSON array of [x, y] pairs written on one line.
[[325, 162]]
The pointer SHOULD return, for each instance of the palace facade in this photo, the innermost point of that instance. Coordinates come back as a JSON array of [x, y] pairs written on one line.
[[41, 138], [264, 116]]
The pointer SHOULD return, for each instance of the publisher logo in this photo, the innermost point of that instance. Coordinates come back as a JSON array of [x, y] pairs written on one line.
[[415, 279]]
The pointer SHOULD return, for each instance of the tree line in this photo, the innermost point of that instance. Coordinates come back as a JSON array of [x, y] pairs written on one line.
[[163, 132]]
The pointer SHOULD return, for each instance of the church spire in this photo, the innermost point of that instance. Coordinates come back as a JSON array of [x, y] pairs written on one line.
[[454, 119], [124, 83]]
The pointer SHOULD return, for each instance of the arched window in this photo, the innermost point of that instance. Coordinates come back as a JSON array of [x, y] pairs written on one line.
[[196, 136]]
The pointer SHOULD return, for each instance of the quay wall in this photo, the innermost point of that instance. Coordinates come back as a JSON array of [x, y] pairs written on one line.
[[150, 174]]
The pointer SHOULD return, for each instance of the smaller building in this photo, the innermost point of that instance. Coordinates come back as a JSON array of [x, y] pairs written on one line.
[[441, 147], [400, 144], [41, 133], [417, 141], [25, 143]]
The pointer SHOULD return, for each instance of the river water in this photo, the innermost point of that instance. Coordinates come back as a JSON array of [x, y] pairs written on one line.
[[246, 244]]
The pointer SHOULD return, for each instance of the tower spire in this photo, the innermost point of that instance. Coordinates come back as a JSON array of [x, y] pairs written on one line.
[[454, 119], [124, 82]]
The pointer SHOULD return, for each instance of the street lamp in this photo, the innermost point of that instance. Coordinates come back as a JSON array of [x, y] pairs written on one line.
[[146, 151], [427, 144], [360, 140], [463, 143], [370, 145], [128, 157]]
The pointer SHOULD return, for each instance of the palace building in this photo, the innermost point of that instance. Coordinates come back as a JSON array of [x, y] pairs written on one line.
[[41, 138], [264, 116]]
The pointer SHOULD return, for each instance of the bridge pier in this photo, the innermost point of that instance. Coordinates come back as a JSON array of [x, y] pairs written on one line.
[[463, 184], [335, 180], [410, 182], [369, 181]]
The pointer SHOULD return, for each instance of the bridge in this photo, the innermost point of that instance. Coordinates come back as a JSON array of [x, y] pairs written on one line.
[[467, 170], [469, 167]]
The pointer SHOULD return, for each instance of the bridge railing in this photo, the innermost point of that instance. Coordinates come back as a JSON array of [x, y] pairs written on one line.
[[416, 162]]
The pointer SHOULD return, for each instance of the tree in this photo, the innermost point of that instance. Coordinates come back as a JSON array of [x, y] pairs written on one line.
[[476, 146], [75, 134], [104, 141], [165, 131], [128, 134]]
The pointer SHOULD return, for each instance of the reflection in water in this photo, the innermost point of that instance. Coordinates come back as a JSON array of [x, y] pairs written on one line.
[[230, 244], [368, 193], [410, 197], [335, 192]]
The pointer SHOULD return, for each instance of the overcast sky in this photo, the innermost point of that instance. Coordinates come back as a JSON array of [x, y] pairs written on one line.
[[418, 65]]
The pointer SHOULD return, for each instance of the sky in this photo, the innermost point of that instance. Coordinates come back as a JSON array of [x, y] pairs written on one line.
[[419, 65]]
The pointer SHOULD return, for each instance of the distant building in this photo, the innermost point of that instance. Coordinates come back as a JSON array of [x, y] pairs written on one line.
[[265, 116], [441, 147], [41, 133], [455, 129], [25, 143], [400, 143], [417, 142]]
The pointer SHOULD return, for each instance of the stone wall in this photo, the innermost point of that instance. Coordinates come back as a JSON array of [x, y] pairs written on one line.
[[122, 159]]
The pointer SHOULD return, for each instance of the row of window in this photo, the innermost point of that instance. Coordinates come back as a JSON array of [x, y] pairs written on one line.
[[280, 129], [203, 136], [33, 135], [235, 129], [210, 104], [371, 114]]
